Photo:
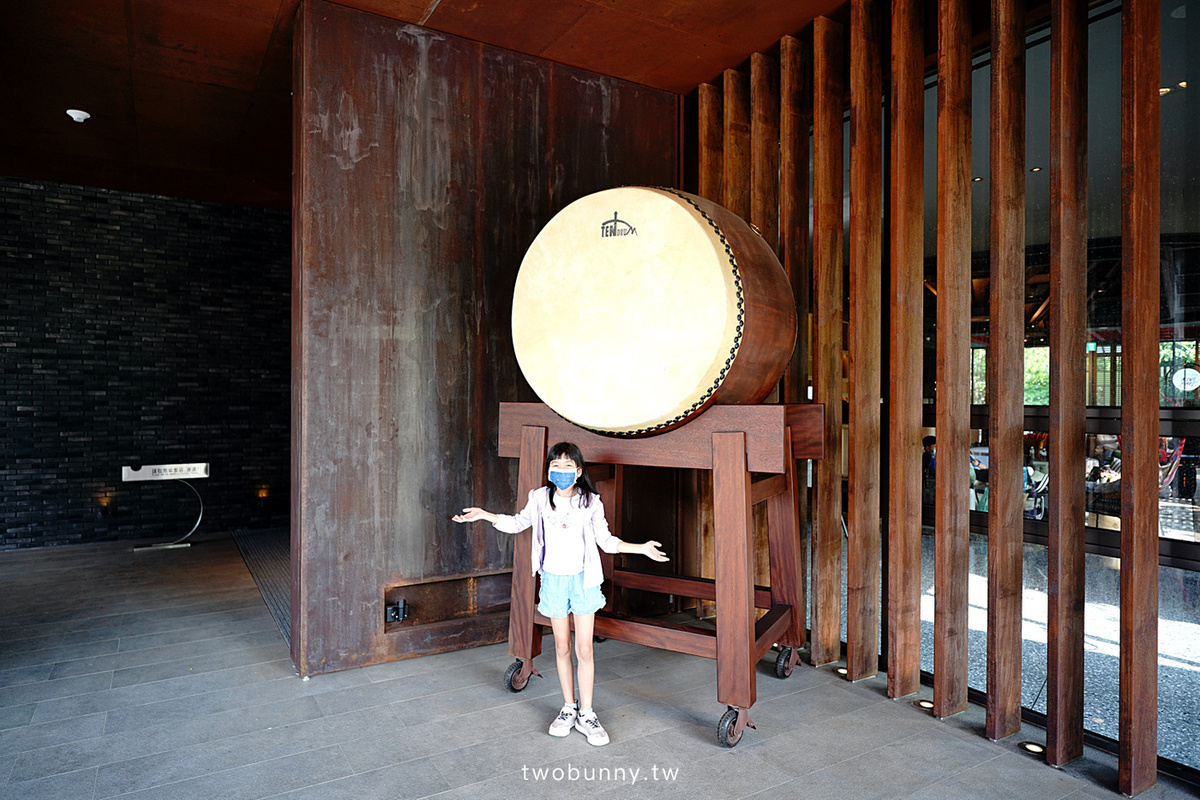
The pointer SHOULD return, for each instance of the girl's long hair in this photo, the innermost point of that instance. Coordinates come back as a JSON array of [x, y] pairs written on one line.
[[583, 483]]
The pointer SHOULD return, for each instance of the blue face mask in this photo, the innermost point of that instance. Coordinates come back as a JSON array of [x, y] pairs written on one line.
[[562, 478]]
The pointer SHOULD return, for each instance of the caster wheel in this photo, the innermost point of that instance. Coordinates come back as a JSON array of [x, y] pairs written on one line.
[[513, 680], [727, 732], [783, 663]]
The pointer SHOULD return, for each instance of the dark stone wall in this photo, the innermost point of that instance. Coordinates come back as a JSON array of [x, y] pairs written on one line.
[[138, 329]]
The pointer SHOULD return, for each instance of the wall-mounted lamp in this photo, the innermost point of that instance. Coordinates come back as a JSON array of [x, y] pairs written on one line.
[[262, 491], [104, 504]]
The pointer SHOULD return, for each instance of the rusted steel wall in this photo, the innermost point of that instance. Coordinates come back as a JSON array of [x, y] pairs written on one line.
[[424, 166]]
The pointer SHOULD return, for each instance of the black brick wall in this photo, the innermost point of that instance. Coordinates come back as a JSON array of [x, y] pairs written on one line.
[[137, 329]]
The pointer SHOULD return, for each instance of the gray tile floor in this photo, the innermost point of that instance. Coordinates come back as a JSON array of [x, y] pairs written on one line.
[[162, 675]]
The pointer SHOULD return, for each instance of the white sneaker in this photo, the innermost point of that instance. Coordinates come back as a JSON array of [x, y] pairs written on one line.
[[563, 722], [590, 727]]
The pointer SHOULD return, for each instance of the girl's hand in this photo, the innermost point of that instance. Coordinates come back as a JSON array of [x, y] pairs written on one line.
[[473, 514], [650, 550]]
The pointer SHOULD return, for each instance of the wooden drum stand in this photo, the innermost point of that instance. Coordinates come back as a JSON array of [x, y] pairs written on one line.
[[733, 441]]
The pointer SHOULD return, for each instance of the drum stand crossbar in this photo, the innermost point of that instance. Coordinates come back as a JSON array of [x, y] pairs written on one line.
[[733, 442]]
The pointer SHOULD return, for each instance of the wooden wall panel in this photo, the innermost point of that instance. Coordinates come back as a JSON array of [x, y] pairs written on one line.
[[1068, 321], [951, 550], [825, 644], [906, 241], [1006, 370], [866, 241], [1140, 165], [425, 164]]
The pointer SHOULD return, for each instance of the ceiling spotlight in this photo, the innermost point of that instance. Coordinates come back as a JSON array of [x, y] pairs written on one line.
[[1182, 84], [1164, 90], [1032, 747], [77, 115], [976, 179], [1035, 169]]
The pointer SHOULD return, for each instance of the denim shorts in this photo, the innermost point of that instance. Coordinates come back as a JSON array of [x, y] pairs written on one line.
[[564, 594]]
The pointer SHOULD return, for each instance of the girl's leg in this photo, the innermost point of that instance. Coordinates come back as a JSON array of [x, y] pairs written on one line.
[[562, 656], [584, 625]]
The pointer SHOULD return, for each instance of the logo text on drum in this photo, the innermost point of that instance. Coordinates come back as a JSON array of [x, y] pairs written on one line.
[[616, 227]]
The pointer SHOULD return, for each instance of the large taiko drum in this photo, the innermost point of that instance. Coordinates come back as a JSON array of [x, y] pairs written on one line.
[[637, 308]]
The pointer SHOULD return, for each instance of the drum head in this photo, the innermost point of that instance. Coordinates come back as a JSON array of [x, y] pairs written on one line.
[[627, 310]]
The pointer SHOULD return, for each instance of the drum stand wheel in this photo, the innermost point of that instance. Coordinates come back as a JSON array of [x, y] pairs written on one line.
[[733, 722], [518, 674], [788, 658]]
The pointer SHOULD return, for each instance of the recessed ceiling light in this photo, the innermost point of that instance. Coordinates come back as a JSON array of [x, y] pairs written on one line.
[[1179, 13], [1182, 84], [1164, 90], [77, 115], [1035, 169], [976, 179]]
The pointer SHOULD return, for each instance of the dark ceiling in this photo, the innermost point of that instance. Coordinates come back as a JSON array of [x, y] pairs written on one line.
[[192, 97]]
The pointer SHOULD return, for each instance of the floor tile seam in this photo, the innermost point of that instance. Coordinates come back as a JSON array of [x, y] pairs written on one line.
[[115, 637], [265, 630], [56, 698], [209, 673], [964, 770], [337, 747], [167, 699], [175, 661]]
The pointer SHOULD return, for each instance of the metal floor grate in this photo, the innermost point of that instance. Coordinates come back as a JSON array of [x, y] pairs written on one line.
[[268, 556]]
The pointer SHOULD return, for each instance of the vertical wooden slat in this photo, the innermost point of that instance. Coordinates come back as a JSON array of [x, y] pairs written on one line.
[[764, 216], [952, 541], [1140, 164], [712, 137], [1006, 370], [825, 645], [907, 261], [736, 175], [866, 209], [795, 119], [764, 148], [1068, 322], [698, 483]]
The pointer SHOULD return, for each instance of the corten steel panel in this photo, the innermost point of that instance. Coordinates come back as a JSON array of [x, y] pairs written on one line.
[[425, 165], [907, 254], [1006, 501], [1068, 321], [953, 355], [1141, 154]]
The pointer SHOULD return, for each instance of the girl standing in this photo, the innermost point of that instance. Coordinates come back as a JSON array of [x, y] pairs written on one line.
[[568, 527]]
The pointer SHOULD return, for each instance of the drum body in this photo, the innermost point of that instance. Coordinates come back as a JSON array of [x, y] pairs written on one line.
[[636, 308]]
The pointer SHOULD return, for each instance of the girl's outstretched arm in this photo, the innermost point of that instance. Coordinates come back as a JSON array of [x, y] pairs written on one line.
[[648, 549], [473, 514]]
